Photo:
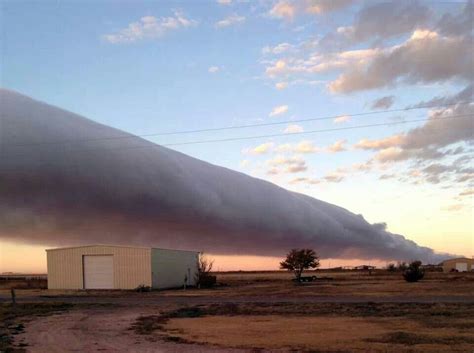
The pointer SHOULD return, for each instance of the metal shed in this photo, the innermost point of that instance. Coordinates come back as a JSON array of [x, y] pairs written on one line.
[[459, 264], [120, 267]]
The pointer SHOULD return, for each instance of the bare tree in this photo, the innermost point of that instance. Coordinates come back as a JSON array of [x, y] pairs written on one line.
[[204, 268]]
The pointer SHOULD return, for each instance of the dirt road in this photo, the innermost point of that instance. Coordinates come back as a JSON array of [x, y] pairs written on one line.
[[145, 298], [115, 328], [98, 330]]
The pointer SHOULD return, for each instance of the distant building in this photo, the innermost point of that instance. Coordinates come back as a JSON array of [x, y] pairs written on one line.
[[461, 264], [432, 268], [120, 267], [364, 267]]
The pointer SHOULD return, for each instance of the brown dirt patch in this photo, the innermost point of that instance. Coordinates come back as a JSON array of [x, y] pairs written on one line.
[[99, 331]]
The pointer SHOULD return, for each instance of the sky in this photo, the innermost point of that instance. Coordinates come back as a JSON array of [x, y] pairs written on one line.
[[310, 70]]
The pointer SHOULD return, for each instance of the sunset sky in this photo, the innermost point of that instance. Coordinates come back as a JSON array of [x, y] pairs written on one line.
[[310, 68]]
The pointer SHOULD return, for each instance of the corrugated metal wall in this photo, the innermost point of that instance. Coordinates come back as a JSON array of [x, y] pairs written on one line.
[[448, 265], [132, 266], [170, 267]]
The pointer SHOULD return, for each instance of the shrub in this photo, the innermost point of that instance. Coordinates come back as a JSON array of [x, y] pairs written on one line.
[[414, 272], [143, 288], [207, 281]]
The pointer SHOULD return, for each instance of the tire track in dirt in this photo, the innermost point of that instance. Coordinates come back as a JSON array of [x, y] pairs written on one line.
[[98, 330]]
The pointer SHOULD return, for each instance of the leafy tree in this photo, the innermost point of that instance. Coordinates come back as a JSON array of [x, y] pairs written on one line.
[[414, 272], [298, 260]]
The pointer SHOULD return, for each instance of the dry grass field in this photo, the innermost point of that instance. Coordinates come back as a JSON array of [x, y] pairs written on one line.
[[317, 333], [265, 311], [278, 284], [342, 327], [347, 283]]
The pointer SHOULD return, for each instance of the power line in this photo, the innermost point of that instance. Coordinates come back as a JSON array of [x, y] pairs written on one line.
[[314, 131], [151, 145], [308, 120], [167, 133]]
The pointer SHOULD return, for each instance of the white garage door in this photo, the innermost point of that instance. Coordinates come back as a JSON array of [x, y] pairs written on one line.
[[461, 266], [98, 272]]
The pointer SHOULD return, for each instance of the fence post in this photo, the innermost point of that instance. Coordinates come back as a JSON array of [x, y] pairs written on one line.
[[13, 296]]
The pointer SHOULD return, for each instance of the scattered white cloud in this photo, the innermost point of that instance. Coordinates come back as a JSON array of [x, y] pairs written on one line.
[[287, 9], [283, 9], [305, 180], [230, 21], [302, 147], [468, 192], [426, 57], [386, 142], [293, 128], [383, 103], [282, 165], [279, 110], [260, 149], [296, 168], [306, 147], [281, 85], [432, 53], [320, 7], [337, 146], [363, 167], [430, 136], [318, 63], [277, 69], [453, 208], [464, 177], [379, 21], [342, 119], [334, 177], [394, 154], [213, 69], [282, 160], [224, 2], [387, 176], [149, 27], [446, 133], [278, 49], [423, 50], [463, 96]]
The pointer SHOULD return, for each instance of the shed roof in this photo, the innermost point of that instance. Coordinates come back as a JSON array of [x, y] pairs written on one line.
[[458, 259], [116, 246]]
